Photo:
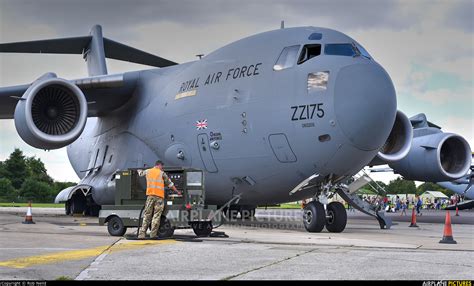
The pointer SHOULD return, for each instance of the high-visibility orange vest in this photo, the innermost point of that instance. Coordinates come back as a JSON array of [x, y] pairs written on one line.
[[155, 186]]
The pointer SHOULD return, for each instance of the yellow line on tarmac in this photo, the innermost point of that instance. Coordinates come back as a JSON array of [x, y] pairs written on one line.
[[78, 254]]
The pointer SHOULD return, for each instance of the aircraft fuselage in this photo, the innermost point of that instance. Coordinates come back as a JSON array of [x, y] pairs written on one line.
[[254, 127]]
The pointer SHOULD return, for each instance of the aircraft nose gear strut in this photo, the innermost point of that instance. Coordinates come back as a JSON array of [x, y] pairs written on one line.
[[348, 193]]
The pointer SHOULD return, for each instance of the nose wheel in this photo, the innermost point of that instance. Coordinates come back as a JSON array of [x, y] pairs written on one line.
[[336, 218], [315, 217]]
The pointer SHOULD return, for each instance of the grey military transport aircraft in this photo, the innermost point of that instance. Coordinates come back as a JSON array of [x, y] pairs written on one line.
[[279, 116]]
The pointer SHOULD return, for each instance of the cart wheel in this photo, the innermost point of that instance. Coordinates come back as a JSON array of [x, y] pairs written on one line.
[[202, 229], [115, 226], [165, 230]]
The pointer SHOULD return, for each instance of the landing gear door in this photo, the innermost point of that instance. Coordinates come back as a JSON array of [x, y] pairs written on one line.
[[205, 152]]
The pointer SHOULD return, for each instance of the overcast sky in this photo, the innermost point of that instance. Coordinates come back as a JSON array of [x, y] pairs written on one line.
[[425, 46]]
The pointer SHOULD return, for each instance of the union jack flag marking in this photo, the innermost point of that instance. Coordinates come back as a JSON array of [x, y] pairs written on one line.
[[201, 124]]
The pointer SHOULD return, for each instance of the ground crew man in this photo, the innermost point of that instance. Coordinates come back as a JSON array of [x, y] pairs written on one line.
[[156, 180]]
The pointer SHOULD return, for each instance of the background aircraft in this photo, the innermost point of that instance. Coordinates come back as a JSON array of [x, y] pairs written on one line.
[[279, 116], [461, 186]]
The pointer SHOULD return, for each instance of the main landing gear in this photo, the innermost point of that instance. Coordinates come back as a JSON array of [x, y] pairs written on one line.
[[315, 217]]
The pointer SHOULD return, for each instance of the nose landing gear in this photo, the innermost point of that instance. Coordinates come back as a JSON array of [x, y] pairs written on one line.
[[336, 217], [315, 217]]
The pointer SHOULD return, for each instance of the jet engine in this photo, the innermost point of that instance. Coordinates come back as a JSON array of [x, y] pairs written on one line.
[[435, 157], [51, 113], [399, 141]]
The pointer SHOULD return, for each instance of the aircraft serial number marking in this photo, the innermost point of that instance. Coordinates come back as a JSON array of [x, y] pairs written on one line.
[[304, 112]]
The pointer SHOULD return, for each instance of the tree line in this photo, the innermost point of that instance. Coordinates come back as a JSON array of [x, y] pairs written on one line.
[[25, 178], [401, 186]]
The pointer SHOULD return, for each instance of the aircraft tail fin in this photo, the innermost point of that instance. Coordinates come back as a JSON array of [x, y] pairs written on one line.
[[94, 54], [94, 48]]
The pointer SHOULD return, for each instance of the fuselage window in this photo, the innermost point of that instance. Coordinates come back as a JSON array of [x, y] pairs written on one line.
[[315, 36], [287, 58], [308, 52], [340, 50]]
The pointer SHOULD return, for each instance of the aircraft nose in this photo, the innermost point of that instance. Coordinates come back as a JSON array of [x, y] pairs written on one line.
[[365, 104]]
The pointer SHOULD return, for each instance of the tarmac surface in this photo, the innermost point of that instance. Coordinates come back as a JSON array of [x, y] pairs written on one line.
[[272, 246]]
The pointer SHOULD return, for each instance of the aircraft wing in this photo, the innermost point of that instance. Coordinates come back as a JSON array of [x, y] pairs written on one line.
[[103, 93]]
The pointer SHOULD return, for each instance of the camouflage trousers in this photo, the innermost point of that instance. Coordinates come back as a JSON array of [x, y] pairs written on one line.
[[153, 207]]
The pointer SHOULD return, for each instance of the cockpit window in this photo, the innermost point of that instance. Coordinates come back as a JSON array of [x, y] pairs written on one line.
[[315, 36], [287, 58], [308, 52], [363, 52], [340, 50]]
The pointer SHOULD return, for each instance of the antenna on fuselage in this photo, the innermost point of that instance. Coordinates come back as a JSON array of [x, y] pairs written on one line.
[[282, 24], [200, 56]]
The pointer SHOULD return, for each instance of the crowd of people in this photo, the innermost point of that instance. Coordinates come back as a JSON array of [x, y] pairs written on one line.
[[403, 204]]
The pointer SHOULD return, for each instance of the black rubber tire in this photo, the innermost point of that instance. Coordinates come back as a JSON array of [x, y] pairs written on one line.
[[165, 230], [93, 210], [78, 204], [337, 217], [67, 207], [77, 207], [115, 226], [314, 217], [202, 229]]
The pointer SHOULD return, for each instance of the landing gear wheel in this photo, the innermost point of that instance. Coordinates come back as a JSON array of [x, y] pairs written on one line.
[[337, 217], [115, 226], [67, 207], [202, 229], [314, 217], [92, 208], [77, 206], [165, 230]]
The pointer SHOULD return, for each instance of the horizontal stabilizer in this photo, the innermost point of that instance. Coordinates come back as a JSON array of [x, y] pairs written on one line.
[[420, 121], [94, 49], [118, 51], [54, 46]]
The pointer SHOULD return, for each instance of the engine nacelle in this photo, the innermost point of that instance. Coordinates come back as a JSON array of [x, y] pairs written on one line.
[[51, 114], [399, 141], [435, 158]]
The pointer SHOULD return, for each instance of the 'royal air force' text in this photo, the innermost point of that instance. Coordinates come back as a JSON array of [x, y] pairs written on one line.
[[232, 73]]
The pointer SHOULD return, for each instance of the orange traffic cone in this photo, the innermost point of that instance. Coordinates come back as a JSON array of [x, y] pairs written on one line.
[[413, 218], [29, 216], [448, 232], [457, 211]]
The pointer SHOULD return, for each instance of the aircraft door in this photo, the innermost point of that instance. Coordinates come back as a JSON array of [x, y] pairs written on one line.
[[206, 154]]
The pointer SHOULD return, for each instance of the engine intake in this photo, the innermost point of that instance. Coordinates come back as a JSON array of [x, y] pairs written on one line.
[[399, 141], [436, 157], [51, 114]]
